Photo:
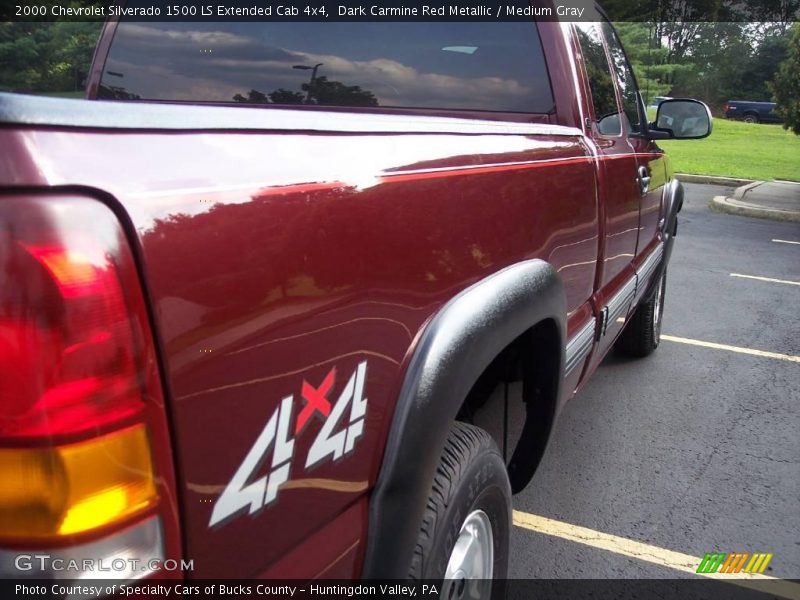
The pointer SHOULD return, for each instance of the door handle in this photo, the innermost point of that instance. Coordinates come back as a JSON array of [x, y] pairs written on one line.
[[643, 180]]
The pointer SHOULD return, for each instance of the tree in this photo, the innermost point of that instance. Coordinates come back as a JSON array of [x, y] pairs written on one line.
[[46, 57], [716, 54], [786, 85], [756, 73], [655, 73], [771, 11]]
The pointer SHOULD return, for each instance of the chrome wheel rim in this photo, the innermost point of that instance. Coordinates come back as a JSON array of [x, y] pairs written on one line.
[[471, 565]]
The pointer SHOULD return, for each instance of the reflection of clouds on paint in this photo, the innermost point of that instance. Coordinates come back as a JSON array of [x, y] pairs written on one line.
[[172, 64]]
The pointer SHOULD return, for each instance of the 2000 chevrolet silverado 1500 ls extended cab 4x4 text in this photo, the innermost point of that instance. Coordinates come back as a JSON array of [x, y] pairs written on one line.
[[266, 336]]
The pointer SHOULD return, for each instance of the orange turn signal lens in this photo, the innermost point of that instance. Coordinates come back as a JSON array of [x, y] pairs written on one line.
[[75, 488]]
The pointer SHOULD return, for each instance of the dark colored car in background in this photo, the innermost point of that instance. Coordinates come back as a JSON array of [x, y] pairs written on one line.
[[752, 112], [656, 102]]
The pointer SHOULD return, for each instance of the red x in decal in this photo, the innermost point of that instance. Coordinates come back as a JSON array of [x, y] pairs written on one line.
[[316, 400]]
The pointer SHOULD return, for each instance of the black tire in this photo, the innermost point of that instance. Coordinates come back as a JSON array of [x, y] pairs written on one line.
[[471, 477], [642, 333], [751, 118]]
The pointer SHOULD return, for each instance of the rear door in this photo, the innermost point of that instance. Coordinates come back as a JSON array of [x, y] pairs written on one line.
[[650, 164], [609, 127]]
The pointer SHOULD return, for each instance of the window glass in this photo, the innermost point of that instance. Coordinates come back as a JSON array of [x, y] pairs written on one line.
[[601, 81], [625, 79], [429, 64]]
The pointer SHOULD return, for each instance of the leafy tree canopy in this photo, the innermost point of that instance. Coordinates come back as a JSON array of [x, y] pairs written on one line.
[[786, 86], [46, 57]]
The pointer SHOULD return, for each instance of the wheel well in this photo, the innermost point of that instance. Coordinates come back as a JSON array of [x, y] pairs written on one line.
[[465, 335], [515, 399]]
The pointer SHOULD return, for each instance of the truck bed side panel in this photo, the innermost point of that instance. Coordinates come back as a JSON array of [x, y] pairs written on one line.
[[273, 258]]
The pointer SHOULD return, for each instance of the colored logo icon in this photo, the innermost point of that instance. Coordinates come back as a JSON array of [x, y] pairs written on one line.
[[735, 562]]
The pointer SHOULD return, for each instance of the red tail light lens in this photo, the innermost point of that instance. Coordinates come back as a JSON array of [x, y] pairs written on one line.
[[84, 446], [72, 357]]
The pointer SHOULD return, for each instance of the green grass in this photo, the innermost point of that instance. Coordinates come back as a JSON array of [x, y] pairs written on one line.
[[738, 149]]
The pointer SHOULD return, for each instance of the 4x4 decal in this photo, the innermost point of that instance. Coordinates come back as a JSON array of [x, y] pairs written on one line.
[[332, 441]]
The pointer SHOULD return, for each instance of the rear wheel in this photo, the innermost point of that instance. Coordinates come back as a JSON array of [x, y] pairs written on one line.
[[464, 536], [642, 332], [751, 118]]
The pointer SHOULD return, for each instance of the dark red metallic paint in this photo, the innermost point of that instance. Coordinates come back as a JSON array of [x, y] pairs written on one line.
[[257, 287]]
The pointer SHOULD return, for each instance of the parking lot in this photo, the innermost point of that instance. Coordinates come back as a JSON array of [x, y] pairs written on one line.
[[696, 448]]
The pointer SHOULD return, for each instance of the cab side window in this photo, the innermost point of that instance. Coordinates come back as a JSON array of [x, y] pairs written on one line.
[[601, 80], [625, 80]]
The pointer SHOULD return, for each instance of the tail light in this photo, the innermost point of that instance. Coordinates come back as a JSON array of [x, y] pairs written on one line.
[[84, 447], [725, 107]]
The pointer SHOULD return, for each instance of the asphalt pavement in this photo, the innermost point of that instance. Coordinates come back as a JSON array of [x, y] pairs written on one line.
[[696, 448]]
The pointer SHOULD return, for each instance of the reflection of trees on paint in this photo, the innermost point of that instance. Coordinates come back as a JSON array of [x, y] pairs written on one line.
[[322, 91], [282, 247], [600, 82]]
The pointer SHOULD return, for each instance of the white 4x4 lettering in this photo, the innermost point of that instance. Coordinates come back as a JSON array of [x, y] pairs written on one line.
[[340, 443], [238, 493], [276, 435]]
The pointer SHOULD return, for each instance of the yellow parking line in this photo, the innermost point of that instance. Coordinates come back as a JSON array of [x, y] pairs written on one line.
[[677, 561], [768, 279], [786, 242], [715, 346]]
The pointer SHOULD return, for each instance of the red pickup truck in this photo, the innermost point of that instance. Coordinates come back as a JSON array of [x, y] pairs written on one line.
[[303, 300]]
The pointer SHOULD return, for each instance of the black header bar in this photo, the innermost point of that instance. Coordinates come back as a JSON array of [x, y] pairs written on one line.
[[396, 10], [539, 589]]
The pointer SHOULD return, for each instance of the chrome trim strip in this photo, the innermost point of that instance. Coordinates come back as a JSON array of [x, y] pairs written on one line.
[[649, 265], [620, 302], [37, 110], [579, 346]]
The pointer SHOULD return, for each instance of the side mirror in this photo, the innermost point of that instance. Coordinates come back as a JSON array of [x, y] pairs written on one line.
[[681, 119]]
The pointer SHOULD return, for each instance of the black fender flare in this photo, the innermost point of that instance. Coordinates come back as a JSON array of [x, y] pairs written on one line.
[[673, 202], [459, 342]]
